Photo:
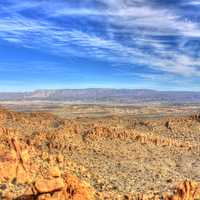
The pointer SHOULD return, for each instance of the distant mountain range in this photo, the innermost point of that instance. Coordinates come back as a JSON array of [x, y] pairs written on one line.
[[125, 96]]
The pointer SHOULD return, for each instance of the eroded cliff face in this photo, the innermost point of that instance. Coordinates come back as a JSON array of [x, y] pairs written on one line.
[[43, 157]]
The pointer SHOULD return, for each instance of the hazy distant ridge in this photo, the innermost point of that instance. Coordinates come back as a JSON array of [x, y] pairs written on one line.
[[105, 95]]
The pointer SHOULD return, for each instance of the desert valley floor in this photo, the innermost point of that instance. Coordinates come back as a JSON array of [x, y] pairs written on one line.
[[85, 152]]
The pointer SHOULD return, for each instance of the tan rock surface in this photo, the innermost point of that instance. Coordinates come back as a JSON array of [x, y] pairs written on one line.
[[49, 185], [44, 157], [54, 172]]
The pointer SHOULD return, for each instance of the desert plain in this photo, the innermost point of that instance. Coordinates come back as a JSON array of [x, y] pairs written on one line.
[[51, 151]]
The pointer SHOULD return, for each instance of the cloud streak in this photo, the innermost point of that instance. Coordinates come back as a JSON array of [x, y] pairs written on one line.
[[136, 34]]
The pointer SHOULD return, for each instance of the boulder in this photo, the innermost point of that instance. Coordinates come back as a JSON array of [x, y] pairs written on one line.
[[54, 172], [49, 185]]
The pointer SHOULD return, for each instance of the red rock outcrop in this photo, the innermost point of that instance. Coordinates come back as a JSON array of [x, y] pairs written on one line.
[[33, 165], [187, 190]]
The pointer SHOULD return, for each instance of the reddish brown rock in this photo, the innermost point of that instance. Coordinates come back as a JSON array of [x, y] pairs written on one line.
[[54, 172], [187, 190], [76, 190], [45, 197], [8, 165], [60, 158], [49, 185]]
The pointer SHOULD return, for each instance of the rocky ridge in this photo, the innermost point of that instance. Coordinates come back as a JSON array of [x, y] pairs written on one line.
[[38, 154]]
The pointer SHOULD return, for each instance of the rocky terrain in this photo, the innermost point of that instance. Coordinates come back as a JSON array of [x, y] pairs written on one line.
[[45, 157]]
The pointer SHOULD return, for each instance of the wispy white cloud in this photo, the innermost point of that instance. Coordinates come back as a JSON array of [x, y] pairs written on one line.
[[192, 3], [143, 23]]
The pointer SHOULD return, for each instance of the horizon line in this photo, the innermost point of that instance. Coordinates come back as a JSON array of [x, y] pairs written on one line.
[[97, 88]]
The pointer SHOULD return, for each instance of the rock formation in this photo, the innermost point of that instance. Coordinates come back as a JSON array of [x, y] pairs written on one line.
[[38, 154]]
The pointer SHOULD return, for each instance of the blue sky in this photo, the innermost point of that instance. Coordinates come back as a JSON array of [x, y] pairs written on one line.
[[99, 43]]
